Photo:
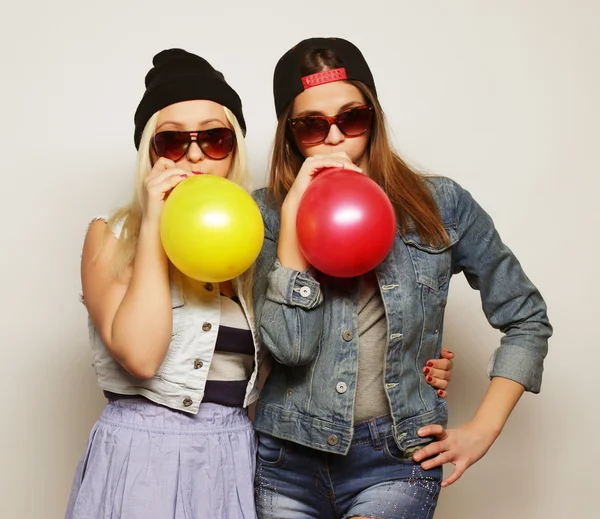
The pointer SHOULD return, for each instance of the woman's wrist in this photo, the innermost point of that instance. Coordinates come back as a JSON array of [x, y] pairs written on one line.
[[485, 429], [290, 205]]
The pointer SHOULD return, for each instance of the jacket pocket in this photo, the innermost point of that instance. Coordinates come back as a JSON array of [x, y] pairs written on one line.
[[432, 264]]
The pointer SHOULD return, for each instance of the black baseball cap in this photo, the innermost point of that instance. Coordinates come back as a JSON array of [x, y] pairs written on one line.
[[288, 80]]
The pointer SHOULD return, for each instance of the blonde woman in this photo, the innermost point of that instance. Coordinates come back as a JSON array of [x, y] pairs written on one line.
[[177, 359]]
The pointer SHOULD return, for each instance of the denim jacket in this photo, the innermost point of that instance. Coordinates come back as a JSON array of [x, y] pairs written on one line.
[[311, 329]]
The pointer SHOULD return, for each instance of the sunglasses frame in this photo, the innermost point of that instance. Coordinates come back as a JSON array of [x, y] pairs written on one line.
[[199, 134], [331, 120]]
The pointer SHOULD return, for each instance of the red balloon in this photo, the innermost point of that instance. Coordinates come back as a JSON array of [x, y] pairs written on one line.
[[346, 223]]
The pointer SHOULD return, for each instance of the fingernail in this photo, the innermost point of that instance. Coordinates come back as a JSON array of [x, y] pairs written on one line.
[[426, 370], [429, 379], [440, 392], [183, 175], [450, 352], [420, 431], [430, 364]]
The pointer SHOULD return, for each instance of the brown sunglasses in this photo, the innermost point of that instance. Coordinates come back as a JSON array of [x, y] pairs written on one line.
[[313, 129]]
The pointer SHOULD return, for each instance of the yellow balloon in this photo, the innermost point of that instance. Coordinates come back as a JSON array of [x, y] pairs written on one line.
[[211, 228]]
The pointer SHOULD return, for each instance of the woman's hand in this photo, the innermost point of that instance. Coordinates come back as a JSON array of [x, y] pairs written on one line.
[[165, 175], [288, 249], [438, 372], [311, 167], [468, 443], [462, 447]]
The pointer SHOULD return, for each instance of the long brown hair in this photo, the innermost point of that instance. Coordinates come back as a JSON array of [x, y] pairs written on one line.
[[414, 204]]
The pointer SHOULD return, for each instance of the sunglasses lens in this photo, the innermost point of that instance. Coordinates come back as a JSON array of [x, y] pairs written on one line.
[[311, 130], [171, 145], [314, 129], [217, 143], [355, 121]]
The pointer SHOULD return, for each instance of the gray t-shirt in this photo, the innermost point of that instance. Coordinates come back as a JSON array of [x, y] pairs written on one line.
[[370, 400]]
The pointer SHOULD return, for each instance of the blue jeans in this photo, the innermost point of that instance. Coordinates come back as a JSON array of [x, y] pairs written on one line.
[[375, 479]]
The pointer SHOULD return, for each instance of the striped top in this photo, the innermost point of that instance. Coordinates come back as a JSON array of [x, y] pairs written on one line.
[[233, 361]]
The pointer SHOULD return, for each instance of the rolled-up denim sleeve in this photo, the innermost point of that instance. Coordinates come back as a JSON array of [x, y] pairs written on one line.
[[293, 288], [288, 303], [512, 304]]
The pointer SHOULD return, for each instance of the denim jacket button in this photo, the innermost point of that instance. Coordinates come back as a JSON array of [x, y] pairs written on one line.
[[208, 286], [341, 387], [332, 439], [305, 291], [187, 401], [206, 327], [347, 335]]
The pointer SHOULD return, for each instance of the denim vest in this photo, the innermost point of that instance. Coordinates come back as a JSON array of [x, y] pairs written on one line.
[[180, 380], [311, 328]]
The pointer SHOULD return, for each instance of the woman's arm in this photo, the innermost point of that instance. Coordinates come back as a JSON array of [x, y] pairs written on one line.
[[134, 314], [287, 302], [287, 296], [510, 301], [511, 304], [468, 443]]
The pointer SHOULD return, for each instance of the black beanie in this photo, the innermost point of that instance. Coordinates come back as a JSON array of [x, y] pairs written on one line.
[[288, 80], [177, 76]]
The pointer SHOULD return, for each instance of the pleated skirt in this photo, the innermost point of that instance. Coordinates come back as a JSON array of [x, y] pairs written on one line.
[[145, 461]]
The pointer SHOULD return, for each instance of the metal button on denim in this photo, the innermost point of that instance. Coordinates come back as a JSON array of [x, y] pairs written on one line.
[[341, 387], [208, 286], [198, 364], [206, 327], [332, 439], [187, 401], [305, 291], [347, 335]]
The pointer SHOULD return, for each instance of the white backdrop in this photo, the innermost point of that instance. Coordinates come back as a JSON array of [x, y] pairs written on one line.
[[502, 96]]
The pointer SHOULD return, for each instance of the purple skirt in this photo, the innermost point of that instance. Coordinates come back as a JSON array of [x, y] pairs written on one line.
[[145, 461]]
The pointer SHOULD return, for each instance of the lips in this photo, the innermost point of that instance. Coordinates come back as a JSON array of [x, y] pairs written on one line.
[[197, 173]]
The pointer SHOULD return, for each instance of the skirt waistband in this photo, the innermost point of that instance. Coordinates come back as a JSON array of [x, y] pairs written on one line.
[[142, 414]]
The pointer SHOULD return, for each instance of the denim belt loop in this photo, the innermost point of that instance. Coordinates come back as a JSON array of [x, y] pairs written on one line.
[[374, 430]]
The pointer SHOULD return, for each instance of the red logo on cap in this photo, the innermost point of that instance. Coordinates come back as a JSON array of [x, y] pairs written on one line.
[[327, 76]]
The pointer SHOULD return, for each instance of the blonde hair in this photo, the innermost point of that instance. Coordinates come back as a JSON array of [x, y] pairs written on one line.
[[130, 215]]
